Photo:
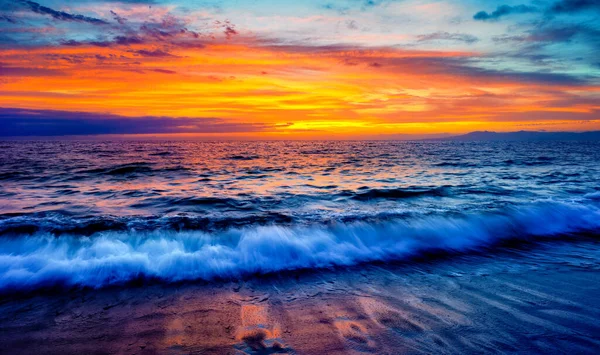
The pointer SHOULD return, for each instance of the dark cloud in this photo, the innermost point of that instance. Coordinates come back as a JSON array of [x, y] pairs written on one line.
[[181, 42], [147, 2], [189, 44], [155, 31], [154, 53], [168, 27], [509, 38], [446, 36], [472, 69], [74, 43], [71, 59], [6, 71], [118, 40], [563, 33], [71, 43], [100, 44], [167, 32], [511, 76], [228, 28], [371, 3], [133, 1], [128, 40], [551, 33], [503, 10], [559, 7], [164, 71], [571, 6], [121, 20], [362, 5], [5, 17], [60, 15], [20, 122], [230, 31]]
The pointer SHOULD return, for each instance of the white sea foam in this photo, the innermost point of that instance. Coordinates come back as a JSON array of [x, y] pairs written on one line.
[[116, 257]]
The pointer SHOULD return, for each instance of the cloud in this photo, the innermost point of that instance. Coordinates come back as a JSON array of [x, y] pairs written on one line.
[[230, 31], [571, 6], [4, 17], [60, 15], [164, 29], [551, 33], [121, 20], [559, 7], [361, 5], [563, 33], [180, 42], [157, 53], [446, 36], [503, 10], [459, 65], [128, 40], [20, 122], [118, 40], [164, 71], [470, 68], [351, 25], [168, 31], [27, 72], [524, 77], [228, 28], [132, 1], [342, 10]]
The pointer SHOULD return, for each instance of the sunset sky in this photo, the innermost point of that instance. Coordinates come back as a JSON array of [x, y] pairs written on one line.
[[298, 69]]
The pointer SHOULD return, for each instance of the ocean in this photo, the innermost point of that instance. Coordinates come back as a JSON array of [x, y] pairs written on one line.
[[89, 213]]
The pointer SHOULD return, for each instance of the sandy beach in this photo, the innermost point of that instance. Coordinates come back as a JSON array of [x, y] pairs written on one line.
[[542, 299]]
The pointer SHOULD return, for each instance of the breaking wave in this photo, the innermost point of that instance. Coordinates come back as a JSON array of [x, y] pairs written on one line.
[[114, 257]]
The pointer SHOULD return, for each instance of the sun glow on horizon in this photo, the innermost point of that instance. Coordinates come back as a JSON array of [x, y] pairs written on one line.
[[268, 86]]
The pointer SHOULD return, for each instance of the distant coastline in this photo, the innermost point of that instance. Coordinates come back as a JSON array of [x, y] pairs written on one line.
[[522, 136]]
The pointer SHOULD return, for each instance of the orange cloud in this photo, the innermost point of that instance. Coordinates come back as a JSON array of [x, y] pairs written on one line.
[[296, 91]]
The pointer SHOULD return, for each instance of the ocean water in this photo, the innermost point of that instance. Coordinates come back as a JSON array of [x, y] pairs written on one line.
[[101, 213]]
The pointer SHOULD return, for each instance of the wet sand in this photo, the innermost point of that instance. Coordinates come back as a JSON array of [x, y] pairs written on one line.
[[545, 299]]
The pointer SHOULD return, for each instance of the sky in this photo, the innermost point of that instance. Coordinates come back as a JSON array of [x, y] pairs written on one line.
[[297, 69]]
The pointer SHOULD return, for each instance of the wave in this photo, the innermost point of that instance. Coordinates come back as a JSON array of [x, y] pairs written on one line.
[[593, 195], [242, 157], [131, 168], [107, 258], [390, 194], [63, 223]]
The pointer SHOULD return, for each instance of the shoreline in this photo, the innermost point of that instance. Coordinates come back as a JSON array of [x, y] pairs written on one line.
[[543, 299]]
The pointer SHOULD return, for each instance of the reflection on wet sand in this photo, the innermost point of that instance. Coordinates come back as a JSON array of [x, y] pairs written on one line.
[[543, 300]]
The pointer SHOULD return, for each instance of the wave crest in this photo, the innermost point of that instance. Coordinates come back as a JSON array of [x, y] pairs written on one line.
[[32, 261]]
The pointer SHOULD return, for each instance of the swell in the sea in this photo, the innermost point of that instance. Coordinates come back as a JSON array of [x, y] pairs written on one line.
[[113, 257]]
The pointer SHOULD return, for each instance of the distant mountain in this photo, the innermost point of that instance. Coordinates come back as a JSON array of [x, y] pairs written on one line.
[[523, 136]]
